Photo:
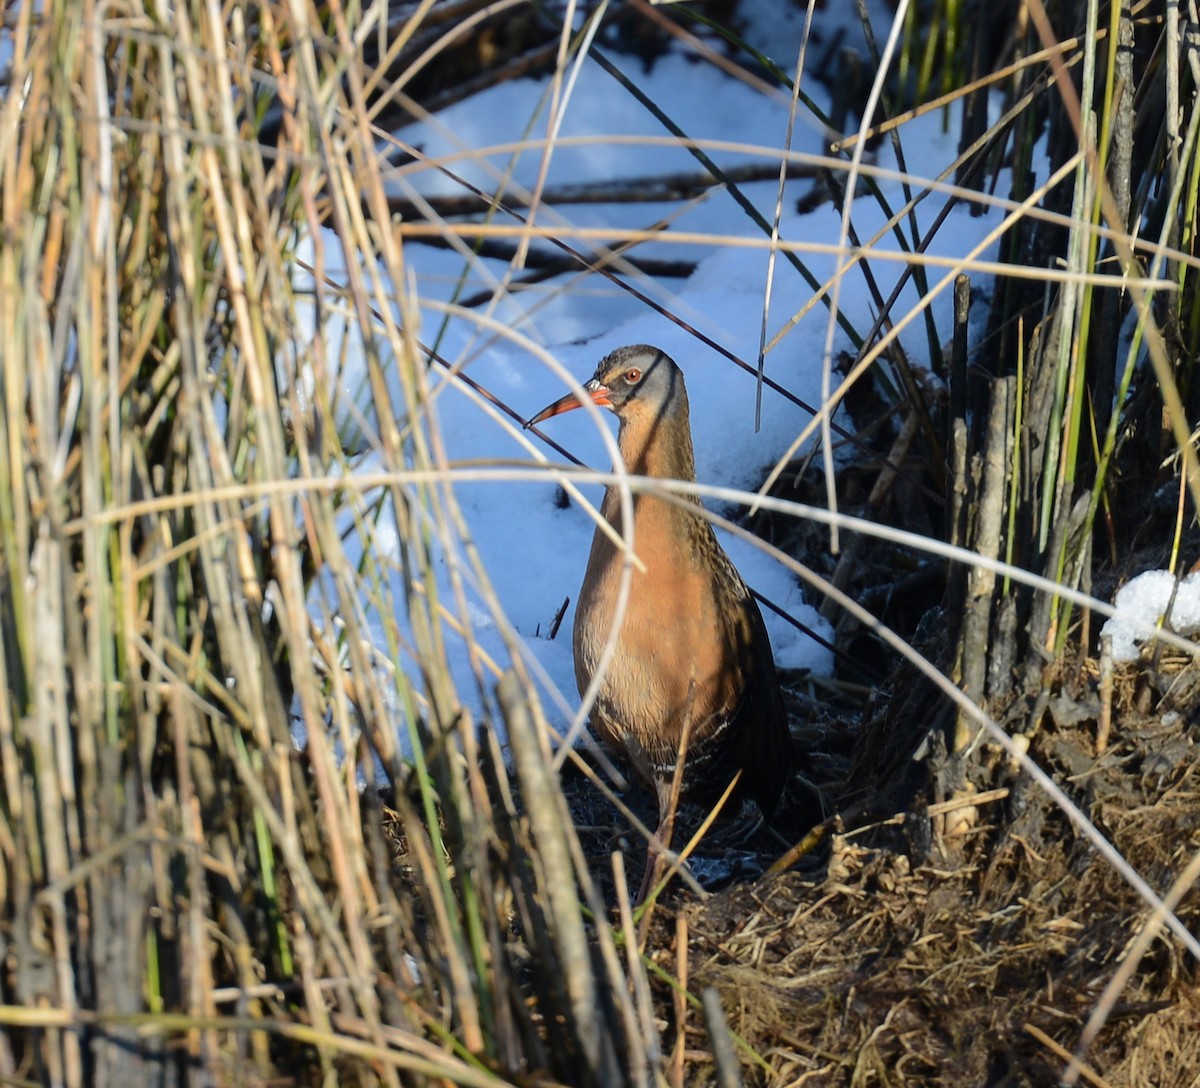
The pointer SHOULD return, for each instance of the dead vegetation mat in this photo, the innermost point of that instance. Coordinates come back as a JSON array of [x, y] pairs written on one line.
[[917, 956]]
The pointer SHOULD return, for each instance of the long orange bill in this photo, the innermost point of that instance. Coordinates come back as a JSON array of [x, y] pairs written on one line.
[[596, 393]]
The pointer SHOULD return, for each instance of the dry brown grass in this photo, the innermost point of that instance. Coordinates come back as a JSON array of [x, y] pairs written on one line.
[[976, 958]]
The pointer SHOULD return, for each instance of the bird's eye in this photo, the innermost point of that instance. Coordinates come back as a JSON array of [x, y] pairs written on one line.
[[633, 375]]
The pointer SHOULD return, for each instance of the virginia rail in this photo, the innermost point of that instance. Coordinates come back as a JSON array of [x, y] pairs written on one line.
[[692, 651]]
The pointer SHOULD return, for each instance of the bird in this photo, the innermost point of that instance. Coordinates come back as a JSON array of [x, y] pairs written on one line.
[[692, 653]]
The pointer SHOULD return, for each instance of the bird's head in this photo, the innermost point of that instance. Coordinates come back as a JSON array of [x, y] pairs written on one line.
[[639, 381]]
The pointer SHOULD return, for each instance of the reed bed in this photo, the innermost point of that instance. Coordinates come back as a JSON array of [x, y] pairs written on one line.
[[252, 831]]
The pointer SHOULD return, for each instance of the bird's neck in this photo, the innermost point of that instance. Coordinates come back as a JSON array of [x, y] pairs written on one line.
[[659, 447]]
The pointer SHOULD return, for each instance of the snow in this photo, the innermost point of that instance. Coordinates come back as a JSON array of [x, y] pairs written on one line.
[[1142, 606], [534, 552]]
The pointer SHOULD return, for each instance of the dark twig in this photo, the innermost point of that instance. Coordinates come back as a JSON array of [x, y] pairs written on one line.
[[648, 189]]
